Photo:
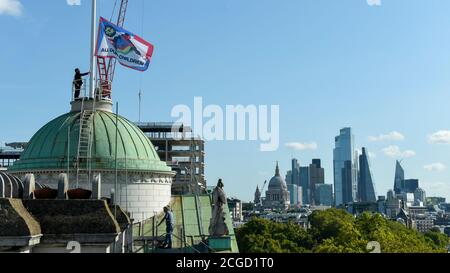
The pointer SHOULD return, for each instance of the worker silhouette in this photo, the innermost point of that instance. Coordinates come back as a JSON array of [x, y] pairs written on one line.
[[168, 217], [78, 82]]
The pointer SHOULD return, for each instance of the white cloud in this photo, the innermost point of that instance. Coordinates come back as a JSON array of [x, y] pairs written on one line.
[[11, 7], [395, 152], [374, 2], [73, 2], [438, 167], [392, 136], [440, 137], [302, 146]]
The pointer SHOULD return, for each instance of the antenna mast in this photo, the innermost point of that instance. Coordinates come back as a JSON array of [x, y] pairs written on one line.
[[92, 53], [140, 103]]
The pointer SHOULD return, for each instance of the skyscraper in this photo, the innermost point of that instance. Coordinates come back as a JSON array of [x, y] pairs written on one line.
[[393, 204], [305, 184], [324, 195], [410, 185], [289, 177], [345, 172], [295, 193], [316, 177], [399, 178], [420, 196], [295, 172], [366, 187]]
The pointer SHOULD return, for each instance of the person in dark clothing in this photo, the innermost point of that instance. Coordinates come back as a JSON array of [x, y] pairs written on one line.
[[78, 82], [168, 217]]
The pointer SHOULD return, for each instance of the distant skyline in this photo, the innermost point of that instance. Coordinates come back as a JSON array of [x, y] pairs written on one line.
[[383, 70]]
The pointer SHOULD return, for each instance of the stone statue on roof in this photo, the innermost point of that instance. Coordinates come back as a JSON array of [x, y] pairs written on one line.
[[217, 226]]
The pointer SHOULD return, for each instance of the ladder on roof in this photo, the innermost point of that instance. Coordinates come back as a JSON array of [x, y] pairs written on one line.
[[120, 22], [107, 66], [85, 145], [105, 81]]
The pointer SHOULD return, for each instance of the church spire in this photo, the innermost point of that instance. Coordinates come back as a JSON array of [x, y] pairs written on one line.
[[277, 170]]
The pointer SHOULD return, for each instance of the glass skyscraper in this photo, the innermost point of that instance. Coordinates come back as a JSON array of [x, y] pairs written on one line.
[[305, 184], [316, 177], [399, 178], [295, 195], [295, 172], [410, 185], [366, 187], [345, 170], [324, 195]]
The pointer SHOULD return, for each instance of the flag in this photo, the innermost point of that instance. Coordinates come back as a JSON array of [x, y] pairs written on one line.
[[129, 49]]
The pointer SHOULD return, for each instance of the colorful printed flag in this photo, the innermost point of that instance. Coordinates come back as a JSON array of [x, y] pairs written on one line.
[[129, 49]]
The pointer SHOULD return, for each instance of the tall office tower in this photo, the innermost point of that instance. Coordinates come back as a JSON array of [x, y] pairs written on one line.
[[295, 172], [355, 171], [381, 202], [316, 177], [366, 187], [324, 195], [295, 193], [390, 195], [345, 171], [410, 185], [399, 178], [392, 204], [317, 162], [288, 178], [420, 196], [305, 184]]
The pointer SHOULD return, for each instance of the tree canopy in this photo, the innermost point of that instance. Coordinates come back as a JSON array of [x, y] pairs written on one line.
[[336, 231]]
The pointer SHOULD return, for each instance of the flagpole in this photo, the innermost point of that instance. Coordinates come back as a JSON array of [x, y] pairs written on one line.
[[92, 53]]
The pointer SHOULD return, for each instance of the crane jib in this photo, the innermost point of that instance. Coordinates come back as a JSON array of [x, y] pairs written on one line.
[[106, 72]]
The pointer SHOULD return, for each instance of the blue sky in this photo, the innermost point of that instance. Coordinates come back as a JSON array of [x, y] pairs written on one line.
[[328, 64]]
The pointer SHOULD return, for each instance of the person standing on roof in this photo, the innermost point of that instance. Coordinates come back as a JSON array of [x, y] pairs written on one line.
[[78, 82], [168, 217]]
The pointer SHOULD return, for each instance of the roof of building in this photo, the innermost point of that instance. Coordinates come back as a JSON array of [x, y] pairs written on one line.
[[191, 221], [10, 186], [73, 216], [49, 147], [60, 221], [163, 127], [122, 217], [15, 220], [277, 182]]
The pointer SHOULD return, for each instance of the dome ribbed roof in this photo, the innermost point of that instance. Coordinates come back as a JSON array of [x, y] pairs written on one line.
[[10, 186], [48, 148], [277, 182]]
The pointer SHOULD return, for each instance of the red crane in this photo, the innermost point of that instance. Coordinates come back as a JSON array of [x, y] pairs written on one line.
[[107, 66]]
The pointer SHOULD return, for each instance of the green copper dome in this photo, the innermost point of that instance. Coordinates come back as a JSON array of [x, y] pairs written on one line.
[[48, 148]]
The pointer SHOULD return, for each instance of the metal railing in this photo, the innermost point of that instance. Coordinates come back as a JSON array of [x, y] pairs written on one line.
[[102, 90], [154, 241], [80, 92], [157, 241]]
